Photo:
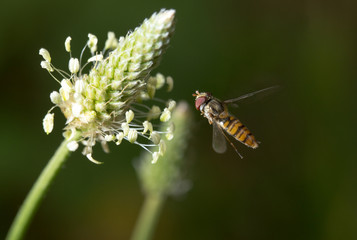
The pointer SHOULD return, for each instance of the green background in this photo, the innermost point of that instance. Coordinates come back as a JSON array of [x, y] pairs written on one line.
[[299, 184]]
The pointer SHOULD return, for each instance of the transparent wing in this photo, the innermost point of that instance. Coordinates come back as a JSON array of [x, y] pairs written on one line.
[[218, 140], [262, 92]]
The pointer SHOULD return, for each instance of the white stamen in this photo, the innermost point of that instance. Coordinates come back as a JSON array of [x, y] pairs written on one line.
[[111, 42], [154, 112], [166, 115], [105, 146], [119, 137], [67, 44], [45, 54], [109, 138], [96, 58], [125, 128], [160, 80], [147, 126], [73, 65], [89, 156], [100, 107], [171, 105], [79, 86], [48, 122], [162, 147], [46, 65], [155, 157], [132, 135], [169, 136], [76, 109], [55, 98], [155, 137], [92, 43], [151, 87], [66, 89], [129, 115], [170, 83], [70, 136], [72, 146], [88, 116], [170, 131]]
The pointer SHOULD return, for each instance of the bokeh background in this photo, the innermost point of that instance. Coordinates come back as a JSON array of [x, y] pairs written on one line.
[[300, 183]]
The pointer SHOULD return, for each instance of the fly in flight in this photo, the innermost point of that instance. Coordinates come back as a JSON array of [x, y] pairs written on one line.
[[223, 122]]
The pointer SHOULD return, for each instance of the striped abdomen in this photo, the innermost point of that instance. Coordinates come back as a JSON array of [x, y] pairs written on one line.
[[237, 130]]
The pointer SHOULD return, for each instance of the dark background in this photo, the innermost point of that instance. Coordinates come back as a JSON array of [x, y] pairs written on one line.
[[300, 183]]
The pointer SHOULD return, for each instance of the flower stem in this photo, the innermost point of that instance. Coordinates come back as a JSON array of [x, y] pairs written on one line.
[[36, 194], [148, 217]]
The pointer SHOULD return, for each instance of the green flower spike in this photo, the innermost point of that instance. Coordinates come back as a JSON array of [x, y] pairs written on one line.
[[107, 104]]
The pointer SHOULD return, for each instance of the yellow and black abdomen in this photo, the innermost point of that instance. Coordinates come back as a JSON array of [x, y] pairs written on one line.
[[237, 130]]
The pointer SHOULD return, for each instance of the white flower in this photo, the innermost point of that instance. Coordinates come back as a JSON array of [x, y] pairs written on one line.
[[109, 102]]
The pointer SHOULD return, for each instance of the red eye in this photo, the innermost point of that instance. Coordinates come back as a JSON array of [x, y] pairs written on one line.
[[199, 101]]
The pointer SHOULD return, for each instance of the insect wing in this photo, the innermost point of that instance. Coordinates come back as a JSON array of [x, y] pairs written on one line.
[[261, 93], [218, 140]]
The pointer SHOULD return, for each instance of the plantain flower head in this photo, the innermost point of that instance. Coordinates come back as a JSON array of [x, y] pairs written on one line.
[[110, 102]]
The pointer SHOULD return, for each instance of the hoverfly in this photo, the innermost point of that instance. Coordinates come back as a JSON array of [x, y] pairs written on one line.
[[223, 122]]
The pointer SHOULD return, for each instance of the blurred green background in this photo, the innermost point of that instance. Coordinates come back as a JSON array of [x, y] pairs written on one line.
[[300, 183]]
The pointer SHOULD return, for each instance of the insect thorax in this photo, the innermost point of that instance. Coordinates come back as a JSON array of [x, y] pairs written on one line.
[[213, 108]]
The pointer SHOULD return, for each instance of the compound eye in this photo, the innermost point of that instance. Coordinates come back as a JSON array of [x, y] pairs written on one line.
[[199, 101]]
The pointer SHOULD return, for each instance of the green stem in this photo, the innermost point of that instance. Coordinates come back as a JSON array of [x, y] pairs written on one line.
[[35, 196], [148, 217]]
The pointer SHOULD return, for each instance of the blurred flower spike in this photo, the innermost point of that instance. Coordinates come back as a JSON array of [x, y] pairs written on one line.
[[109, 103]]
